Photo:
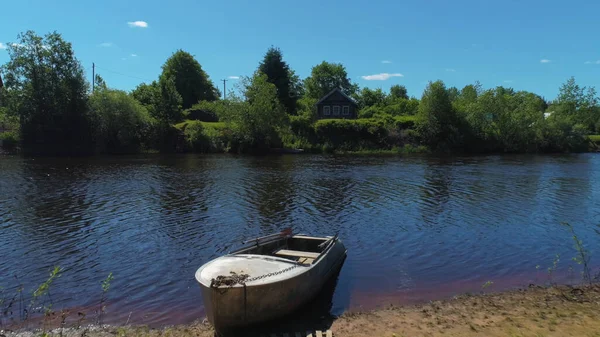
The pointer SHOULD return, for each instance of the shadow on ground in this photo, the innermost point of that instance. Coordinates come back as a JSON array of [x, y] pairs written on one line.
[[315, 315]]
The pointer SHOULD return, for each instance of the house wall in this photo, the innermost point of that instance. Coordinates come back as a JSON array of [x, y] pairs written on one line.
[[339, 100]]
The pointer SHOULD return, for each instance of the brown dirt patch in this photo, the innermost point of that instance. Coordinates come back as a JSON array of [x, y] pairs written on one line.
[[537, 312]]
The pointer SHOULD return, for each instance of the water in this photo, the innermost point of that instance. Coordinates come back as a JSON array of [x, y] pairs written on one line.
[[416, 228]]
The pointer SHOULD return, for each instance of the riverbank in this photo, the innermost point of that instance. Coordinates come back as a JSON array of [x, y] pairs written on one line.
[[535, 311]]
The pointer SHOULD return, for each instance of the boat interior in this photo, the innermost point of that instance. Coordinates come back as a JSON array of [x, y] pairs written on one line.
[[299, 248]]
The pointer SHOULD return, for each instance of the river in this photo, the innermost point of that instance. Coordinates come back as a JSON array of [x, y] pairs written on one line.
[[416, 228]]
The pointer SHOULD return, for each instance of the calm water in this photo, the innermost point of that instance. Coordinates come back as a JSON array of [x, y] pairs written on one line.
[[416, 228]]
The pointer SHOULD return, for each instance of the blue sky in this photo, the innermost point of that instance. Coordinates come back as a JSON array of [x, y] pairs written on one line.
[[403, 42]]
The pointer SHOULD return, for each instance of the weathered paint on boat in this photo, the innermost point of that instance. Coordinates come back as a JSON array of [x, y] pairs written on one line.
[[271, 297]]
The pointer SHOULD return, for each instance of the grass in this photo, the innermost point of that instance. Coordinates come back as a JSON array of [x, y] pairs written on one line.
[[214, 125], [406, 149], [594, 138]]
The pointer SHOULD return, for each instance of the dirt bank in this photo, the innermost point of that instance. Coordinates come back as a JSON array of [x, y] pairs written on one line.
[[536, 311]]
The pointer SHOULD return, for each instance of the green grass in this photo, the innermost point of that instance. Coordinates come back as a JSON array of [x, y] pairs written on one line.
[[406, 149], [594, 138], [214, 125]]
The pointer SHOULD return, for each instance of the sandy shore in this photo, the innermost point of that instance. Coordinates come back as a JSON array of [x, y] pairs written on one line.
[[536, 311]]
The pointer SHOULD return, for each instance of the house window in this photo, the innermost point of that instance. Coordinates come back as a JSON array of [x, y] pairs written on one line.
[[326, 110], [346, 110], [336, 110]]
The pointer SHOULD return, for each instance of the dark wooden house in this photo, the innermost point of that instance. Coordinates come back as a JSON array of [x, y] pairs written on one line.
[[336, 104]]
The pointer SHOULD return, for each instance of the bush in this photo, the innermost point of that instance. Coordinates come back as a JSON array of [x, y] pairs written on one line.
[[206, 138], [203, 111], [9, 139], [405, 122], [119, 122], [349, 135]]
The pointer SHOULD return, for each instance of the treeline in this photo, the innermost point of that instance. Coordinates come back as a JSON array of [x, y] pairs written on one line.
[[47, 107]]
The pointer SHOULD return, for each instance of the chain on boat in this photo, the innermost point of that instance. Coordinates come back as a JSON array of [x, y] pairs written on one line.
[[242, 279]]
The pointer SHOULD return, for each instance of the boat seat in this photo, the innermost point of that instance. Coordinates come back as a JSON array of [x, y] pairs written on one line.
[[297, 253], [305, 260]]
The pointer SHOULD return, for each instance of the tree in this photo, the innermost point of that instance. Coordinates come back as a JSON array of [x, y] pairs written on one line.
[[191, 82], [99, 83], [259, 119], [368, 97], [47, 89], [326, 77], [149, 96], [168, 106], [119, 121], [437, 120], [279, 73], [581, 103], [398, 91]]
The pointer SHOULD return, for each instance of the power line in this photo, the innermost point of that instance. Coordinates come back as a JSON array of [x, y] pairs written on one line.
[[118, 73]]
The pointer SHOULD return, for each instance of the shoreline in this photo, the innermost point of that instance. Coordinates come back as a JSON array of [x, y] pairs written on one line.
[[534, 311]]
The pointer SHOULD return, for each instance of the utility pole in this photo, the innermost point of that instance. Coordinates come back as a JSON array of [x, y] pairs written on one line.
[[224, 89], [93, 76]]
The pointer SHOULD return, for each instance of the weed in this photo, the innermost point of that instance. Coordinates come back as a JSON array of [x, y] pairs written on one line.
[[583, 255], [487, 284], [552, 269], [105, 284]]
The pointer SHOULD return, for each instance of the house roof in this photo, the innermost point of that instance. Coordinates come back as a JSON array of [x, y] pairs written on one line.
[[341, 92]]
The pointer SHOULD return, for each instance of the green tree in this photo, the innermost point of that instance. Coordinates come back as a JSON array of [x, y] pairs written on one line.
[[46, 88], [99, 83], [119, 121], [398, 91], [168, 106], [581, 103], [258, 120], [437, 120], [326, 77], [279, 73], [192, 83], [368, 97], [149, 96]]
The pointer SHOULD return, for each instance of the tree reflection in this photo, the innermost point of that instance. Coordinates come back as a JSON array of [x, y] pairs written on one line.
[[270, 188]]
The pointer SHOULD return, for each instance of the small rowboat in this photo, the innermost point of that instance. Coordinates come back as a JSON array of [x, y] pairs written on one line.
[[270, 278]]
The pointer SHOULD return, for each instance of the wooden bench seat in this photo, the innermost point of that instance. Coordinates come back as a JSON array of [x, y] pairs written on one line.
[[297, 253]]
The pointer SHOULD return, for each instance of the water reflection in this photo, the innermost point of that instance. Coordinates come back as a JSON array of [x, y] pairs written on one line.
[[411, 224]]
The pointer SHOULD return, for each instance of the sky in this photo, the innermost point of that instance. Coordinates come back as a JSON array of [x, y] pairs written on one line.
[[527, 45]]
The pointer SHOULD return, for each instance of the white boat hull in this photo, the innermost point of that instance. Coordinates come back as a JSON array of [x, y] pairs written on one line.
[[236, 306]]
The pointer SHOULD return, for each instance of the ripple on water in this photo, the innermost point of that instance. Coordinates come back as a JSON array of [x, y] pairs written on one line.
[[416, 228]]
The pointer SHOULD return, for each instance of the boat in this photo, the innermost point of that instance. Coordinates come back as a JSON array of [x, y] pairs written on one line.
[[270, 277]]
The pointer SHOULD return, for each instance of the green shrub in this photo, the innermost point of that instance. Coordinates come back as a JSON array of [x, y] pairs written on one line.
[[207, 138], [349, 135], [118, 121], [204, 111], [9, 139], [405, 122], [594, 138]]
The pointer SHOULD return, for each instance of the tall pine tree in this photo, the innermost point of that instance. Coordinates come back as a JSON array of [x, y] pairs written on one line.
[[278, 72]]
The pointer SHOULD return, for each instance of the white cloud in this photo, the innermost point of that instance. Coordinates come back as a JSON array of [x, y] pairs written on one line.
[[386, 62], [508, 81], [123, 58], [450, 70], [3, 46], [16, 44], [138, 24], [592, 62], [106, 44], [380, 77], [233, 77], [133, 55], [545, 61]]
